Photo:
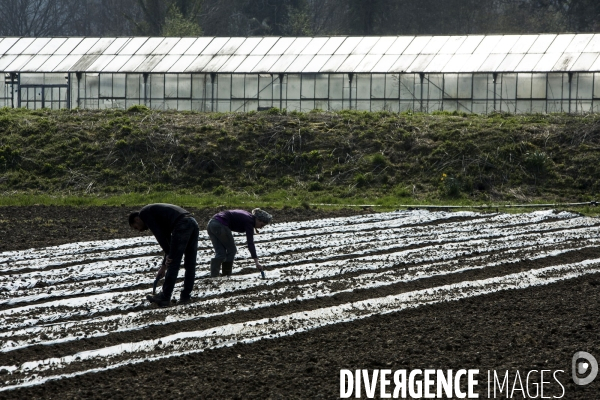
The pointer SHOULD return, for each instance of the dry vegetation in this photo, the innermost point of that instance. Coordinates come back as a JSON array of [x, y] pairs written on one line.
[[323, 155]]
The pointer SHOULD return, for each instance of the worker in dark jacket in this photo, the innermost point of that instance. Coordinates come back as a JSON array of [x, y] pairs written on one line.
[[219, 230], [177, 233]]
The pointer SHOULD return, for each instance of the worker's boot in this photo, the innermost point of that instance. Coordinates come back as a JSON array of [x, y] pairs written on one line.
[[227, 267], [215, 267]]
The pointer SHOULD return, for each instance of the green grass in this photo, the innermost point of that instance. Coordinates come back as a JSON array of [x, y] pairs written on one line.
[[293, 159]]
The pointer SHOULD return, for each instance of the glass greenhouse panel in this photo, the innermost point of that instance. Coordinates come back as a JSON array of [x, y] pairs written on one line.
[[434, 86], [248, 65], [170, 86], [505, 44], [5, 61], [282, 63], [84, 62], [368, 63], [399, 45], [403, 63], [377, 86], [332, 44], [392, 86], [6, 44], [510, 62], [465, 86], [580, 42], [528, 62], [116, 63], [438, 63], [84, 46], [314, 46], [455, 63], [281, 46], [182, 46], [230, 86], [334, 63], [231, 46], [523, 44], [214, 46], [119, 85], [36, 46], [198, 46], [265, 90], [148, 64], [19, 63], [52, 62], [52, 46], [560, 43], [382, 45], [100, 46], [116, 45], [199, 86], [247, 46], [165, 46], [166, 63], [298, 45], [199, 64], [182, 64], [35, 63], [538, 86], [293, 87], [483, 86], [232, 63], [385, 63], [408, 86], [264, 46], [452, 45], [133, 63], [149, 46], [470, 44], [135, 84], [363, 86], [491, 63], [541, 44], [420, 63], [251, 86], [347, 46], [322, 86], [594, 45], [565, 62], [92, 84], [156, 86], [417, 45], [336, 87], [101, 62], [350, 63], [585, 62], [435, 45], [308, 86], [316, 64], [365, 45], [133, 45]]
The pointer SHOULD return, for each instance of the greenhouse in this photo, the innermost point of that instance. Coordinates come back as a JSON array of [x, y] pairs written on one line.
[[474, 74]]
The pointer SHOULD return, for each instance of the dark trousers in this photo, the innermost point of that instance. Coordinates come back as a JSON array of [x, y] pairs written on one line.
[[222, 241], [184, 242]]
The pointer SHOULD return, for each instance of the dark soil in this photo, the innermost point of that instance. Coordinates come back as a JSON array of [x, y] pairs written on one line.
[[518, 331]]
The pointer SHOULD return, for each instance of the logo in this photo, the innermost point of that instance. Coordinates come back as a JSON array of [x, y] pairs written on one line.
[[584, 364]]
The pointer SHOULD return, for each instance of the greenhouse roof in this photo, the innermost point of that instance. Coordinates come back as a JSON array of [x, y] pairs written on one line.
[[335, 54]]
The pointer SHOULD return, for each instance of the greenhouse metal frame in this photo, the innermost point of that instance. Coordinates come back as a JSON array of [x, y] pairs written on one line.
[[474, 74]]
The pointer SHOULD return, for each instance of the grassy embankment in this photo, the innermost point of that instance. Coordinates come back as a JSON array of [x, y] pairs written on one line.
[[280, 159]]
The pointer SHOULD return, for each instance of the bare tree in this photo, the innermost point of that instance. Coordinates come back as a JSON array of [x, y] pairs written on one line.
[[39, 17]]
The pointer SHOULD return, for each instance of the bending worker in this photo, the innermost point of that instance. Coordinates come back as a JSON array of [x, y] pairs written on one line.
[[177, 233], [219, 230]]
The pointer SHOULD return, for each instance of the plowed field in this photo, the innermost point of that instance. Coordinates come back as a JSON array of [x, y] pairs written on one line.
[[406, 290]]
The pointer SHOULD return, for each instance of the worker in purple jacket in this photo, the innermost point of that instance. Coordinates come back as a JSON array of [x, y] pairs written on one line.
[[176, 231], [219, 230]]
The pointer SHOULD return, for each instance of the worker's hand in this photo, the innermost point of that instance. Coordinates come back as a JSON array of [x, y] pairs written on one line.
[[161, 271]]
